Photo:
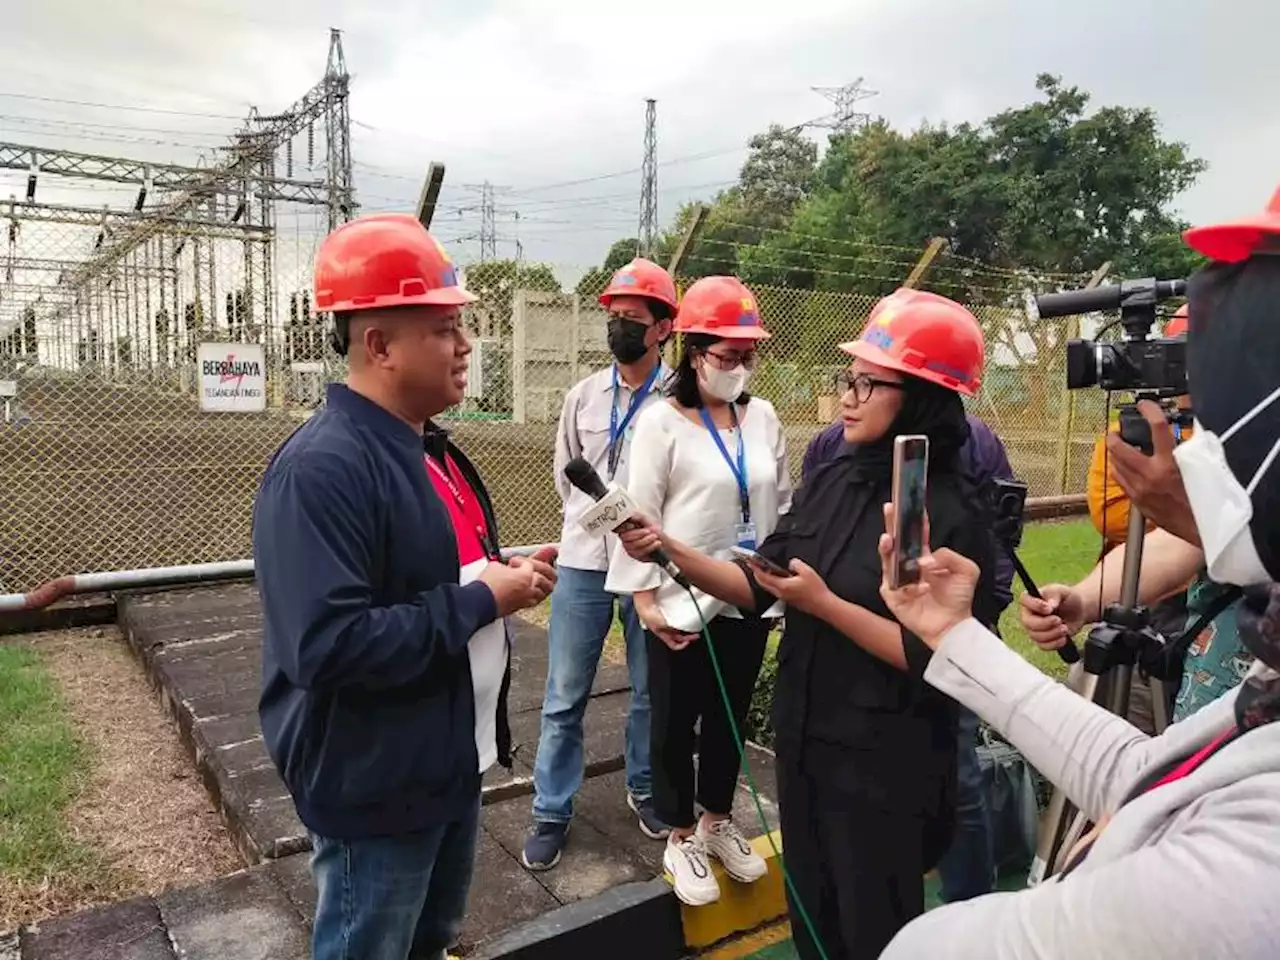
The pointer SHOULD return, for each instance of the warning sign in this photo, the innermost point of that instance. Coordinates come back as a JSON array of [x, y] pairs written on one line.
[[233, 377]]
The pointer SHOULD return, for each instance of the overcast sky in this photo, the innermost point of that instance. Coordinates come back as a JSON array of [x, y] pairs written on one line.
[[545, 98]]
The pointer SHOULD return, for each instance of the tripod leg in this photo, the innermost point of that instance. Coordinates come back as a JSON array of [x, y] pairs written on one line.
[[1159, 705]]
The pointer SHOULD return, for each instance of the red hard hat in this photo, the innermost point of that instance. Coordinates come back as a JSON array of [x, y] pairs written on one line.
[[641, 278], [924, 335], [1237, 240], [1177, 325], [722, 307], [384, 260]]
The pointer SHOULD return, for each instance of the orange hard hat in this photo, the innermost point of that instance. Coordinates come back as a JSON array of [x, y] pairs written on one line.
[[721, 307], [384, 260], [1239, 239], [641, 278], [926, 336], [1177, 325]]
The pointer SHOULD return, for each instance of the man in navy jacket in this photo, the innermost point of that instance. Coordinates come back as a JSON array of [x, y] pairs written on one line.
[[968, 867], [385, 660]]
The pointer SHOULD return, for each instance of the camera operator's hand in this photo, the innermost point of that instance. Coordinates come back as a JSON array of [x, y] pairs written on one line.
[[1052, 621], [1154, 483], [522, 584]]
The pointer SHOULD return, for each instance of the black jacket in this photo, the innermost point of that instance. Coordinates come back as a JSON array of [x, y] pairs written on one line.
[[899, 732], [367, 704]]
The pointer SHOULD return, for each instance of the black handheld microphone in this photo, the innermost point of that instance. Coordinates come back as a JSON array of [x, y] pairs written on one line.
[[584, 476]]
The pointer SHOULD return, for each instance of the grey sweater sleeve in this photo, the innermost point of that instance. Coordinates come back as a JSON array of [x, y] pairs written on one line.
[[1202, 890]]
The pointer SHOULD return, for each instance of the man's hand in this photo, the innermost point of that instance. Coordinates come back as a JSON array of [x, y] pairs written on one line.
[[942, 598], [521, 584], [1055, 619], [1154, 483], [806, 591]]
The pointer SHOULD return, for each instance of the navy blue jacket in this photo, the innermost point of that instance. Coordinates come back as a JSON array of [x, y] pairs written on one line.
[[367, 707], [983, 458]]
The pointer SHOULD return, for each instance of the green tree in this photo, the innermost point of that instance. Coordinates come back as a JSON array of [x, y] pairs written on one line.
[[495, 283], [1044, 187]]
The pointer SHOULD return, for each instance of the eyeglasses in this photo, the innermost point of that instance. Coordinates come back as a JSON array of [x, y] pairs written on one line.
[[731, 360], [862, 384]]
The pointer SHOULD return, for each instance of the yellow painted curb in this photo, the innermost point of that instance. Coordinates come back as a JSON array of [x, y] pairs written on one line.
[[742, 906], [750, 944]]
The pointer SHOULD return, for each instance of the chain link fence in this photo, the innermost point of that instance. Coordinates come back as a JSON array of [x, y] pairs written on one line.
[[108, 462]]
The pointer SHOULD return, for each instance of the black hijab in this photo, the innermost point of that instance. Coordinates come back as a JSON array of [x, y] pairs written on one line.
[[927, 408], [1233, 363]]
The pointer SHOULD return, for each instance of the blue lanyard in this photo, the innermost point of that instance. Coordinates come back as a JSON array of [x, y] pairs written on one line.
[[740, 470], [616, 430]]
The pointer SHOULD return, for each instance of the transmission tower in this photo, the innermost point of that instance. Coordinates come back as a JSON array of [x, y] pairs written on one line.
[[337, 112], [846, 118], [649, 181], [488, 224]]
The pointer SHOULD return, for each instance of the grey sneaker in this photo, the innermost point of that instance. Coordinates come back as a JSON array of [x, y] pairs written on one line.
[[650, 825], [543, 847]]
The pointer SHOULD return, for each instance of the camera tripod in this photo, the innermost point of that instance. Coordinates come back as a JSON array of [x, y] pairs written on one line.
[[1121, 641]]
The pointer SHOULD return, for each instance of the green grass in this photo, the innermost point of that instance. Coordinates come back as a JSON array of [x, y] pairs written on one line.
[[41, 765], [1057, 552]]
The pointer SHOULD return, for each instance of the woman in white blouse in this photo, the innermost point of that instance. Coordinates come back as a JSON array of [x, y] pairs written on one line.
[[710, 464]]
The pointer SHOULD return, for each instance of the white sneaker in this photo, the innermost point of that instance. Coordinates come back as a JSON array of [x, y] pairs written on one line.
[[686, 861], [724, 841]]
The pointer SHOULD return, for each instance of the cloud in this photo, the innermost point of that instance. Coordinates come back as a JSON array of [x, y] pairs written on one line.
[[546, 97]]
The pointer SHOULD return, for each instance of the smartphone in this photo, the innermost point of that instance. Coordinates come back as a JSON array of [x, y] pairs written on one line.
[[910, 473], [754, 558]]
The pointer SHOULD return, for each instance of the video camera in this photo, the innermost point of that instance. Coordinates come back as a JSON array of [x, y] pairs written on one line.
[[1139, 362], [1007, 502]]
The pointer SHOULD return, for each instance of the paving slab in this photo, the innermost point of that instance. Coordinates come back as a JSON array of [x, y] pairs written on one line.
[[591, 864], [503, 893], [245, 916], [603, 728], [131, 930], [202, 647]]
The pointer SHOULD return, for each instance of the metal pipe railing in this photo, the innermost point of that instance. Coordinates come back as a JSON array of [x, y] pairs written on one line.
[[193, 573]]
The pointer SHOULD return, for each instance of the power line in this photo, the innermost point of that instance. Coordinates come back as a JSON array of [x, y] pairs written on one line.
[[120, 106]]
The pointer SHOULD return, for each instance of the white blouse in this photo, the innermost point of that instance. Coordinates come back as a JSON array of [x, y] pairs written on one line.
[[680, 479]]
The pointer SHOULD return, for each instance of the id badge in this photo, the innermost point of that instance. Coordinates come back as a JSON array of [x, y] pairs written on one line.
[[745, 535]]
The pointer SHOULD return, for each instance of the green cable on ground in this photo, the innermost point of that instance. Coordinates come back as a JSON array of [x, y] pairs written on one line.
[[751, 782]]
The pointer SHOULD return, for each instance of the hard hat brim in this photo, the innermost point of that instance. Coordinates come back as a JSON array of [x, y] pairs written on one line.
[[869, 352], [729, 333], [440, 297], [1234, 241], [606, 298]]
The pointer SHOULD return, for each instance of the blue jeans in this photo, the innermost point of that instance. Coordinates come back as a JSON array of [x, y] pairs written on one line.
[[393, 898], [968, 867], [581, 614]]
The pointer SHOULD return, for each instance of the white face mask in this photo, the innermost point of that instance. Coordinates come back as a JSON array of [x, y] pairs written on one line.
[[726, 385], [1222, 507]]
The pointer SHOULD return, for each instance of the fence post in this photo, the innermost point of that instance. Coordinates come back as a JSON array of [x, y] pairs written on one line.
[[925, 262], [430, 193], [519, 330], [1067, 411], [575, 338], [686, 244]]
